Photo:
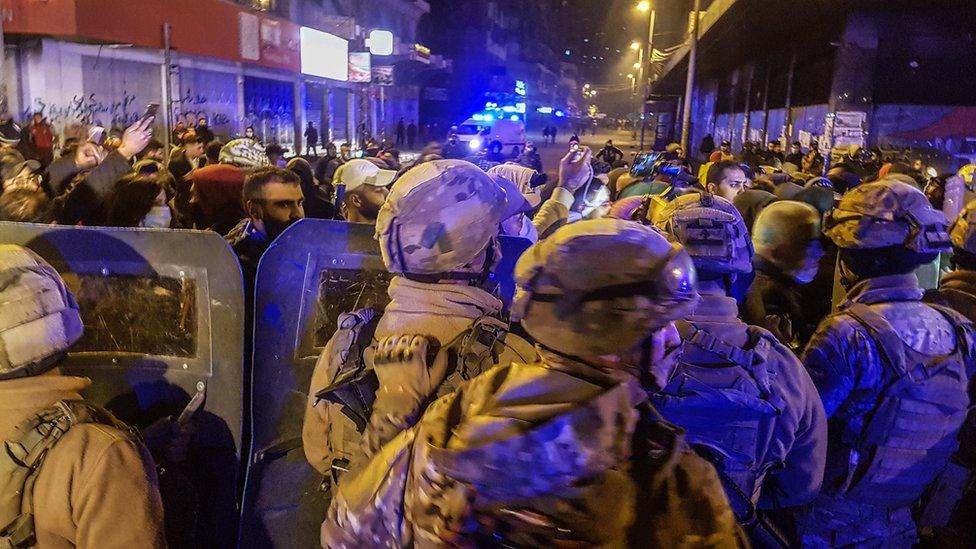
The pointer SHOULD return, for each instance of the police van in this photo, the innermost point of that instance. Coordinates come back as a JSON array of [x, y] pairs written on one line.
[[481, 132]]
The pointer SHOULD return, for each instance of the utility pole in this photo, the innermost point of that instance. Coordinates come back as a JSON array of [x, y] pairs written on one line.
[[690, 82], [638, 90], [167, 91], [646, 82], [3, 79]]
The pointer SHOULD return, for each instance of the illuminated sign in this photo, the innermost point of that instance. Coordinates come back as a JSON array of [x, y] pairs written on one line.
[[520, 87], [359, 67], [380, 42], [324, 55], [544, 110]]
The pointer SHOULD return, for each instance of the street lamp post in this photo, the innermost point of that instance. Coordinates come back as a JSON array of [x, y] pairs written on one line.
[[690, 82], [646, 82]]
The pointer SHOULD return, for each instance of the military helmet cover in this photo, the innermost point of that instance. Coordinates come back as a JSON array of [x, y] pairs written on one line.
[[963, 229], [600, 287], [244, 153], [39, 318], [887, 213], [439, 219], [712, 231]]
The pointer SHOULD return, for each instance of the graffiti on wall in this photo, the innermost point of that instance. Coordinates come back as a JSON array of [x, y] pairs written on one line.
[[88, 109], [190, 107]]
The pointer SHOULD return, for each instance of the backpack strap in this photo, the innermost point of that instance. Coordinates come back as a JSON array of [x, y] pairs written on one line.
[[890, 346], [752, 358], [354, 385], [23, 457]]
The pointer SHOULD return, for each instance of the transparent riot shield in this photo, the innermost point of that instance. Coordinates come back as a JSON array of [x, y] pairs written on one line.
[[928, 275], [162, 311], [314, 271]]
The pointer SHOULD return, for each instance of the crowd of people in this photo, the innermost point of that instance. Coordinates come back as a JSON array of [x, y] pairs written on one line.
[[672, 372]]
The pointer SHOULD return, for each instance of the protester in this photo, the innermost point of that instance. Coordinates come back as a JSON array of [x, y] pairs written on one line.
[[42, 139], [188, 157], [726, 179], [362, 187], [311, 140], [411, 134], [138, 201], [318, 203], [203, 130], [215, 193], [609, 153], [276, 155]]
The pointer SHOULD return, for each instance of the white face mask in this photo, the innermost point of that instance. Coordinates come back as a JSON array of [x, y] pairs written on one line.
[[159, 217]]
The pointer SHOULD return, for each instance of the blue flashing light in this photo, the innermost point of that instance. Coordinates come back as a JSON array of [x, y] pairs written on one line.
[[544, 110], [478, 117], [560, 114], [513, 118], [489, 118], [509, 108], [474, 144]]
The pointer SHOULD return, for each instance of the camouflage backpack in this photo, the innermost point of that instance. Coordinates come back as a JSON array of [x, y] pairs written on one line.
[[353, 382], [23, 457]]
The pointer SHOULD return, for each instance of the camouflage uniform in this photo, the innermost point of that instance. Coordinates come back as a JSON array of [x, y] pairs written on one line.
[[892, 373], [70, 473], [559, 451], [439, 224], [744, 399]]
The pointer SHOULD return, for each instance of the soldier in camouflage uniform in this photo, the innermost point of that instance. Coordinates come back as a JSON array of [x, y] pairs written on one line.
[[892, 371], [951, 507], [565, 451], [743, 398], [438, 233], [71, 475]]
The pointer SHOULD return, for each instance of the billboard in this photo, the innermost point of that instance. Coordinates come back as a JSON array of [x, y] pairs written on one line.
[[324, 54], [359, 66], [383, 75]]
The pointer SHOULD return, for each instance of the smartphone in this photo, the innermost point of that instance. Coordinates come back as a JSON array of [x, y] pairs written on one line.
[[195, 404], [151, 110]]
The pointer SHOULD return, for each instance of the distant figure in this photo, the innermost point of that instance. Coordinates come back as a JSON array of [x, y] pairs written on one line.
[[400, 132], [707, 146], [311, 140], [203, 130], [552, 133], [41, 138], [411, 134]]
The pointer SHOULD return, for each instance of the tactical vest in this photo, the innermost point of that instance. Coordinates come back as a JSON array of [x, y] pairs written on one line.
[[353, 382], [721, 395], [24, 455], [911, 432]]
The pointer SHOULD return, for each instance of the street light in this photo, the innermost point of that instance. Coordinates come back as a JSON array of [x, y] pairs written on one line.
[[634, 45], [643, 6], [637, 65]]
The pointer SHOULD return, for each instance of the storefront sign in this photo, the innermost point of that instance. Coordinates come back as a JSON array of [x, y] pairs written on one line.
[[383, 75], [359, 66], [268, 41], [324, 55]]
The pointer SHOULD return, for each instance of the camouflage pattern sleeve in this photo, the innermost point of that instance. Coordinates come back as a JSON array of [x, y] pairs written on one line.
[[831, 359]]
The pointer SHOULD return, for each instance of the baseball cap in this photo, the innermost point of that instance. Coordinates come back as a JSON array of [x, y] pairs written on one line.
[[358, 172]]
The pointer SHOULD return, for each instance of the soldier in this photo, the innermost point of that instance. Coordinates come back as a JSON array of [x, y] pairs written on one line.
[[744, 399], [891, 370], [563, 451], [786, 237], [70, 471], [953, 504], [438, 234]]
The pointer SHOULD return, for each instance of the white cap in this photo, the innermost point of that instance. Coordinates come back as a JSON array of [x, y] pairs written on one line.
[[358, 172]]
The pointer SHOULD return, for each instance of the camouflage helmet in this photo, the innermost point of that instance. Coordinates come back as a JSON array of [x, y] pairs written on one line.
[[441, 221], [244, 153], [887, 213], [712, 231], [962, 232], [39, 318], [599, 287]]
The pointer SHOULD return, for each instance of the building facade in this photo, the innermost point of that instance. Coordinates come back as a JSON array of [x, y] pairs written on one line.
[[82, 63]]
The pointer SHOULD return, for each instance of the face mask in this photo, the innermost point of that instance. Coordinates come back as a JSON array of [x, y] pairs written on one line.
[[159, 217]]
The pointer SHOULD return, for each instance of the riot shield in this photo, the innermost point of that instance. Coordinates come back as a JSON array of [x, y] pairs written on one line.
[[928, 275], [314, 271], [162, 311]]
